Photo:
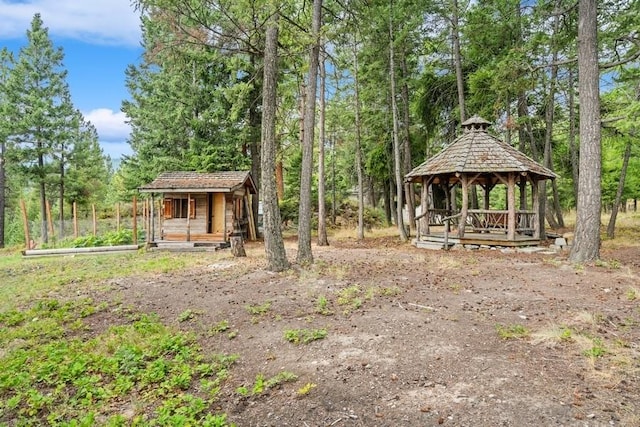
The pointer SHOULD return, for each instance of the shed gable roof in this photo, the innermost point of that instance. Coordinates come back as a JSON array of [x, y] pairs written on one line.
[[477, 151], [218, 182]]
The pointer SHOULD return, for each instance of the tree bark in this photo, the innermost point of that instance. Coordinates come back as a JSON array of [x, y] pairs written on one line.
[[611, 227], [360, 230], [586, 245], [44, 236], [322, 215], [396, 141], [457, 57], [273, 242], [255, 124], [3, 184], [305, 256], [572, 137], [407, 158]]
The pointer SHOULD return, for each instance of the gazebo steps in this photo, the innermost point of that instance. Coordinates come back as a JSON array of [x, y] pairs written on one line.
[[435, 244], [436, 240]]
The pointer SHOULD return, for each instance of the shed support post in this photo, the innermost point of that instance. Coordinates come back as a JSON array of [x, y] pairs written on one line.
[[188, 217]]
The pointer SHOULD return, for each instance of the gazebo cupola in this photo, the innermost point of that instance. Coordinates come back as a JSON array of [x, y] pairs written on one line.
[[478, 158]]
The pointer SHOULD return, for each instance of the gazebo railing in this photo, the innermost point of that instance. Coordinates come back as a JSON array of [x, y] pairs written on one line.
[[498, 220]]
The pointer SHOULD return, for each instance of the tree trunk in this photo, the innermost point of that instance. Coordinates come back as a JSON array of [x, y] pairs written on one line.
[[360, 230], [61, 196], [586, 245], [457, 57], [3, 184], [305, 256], [273, 242], [387, 202], [322, 214], [255, 124], [396, 142], [611, 227], [572, 137], [44, 236], [408, 187]]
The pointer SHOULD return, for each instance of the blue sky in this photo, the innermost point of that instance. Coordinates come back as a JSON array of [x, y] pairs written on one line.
[[99, 38]]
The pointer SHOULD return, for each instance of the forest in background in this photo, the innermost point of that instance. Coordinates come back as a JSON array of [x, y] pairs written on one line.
[[394, 81]]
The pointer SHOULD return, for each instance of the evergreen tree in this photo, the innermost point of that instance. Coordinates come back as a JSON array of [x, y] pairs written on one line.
[[38, 91], [6, 62]]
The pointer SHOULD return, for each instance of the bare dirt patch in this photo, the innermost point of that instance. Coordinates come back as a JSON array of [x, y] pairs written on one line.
[[414, 337]]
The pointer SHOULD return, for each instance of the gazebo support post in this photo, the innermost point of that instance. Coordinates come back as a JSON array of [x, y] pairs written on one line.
[[511, 204], [424, 204], [536, 208], [465, 205]]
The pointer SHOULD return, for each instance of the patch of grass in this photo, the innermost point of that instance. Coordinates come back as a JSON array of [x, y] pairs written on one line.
[[507, 332], [50, 375], [262, 384], [304, 336], [187, 315], [553, 335], [350, 297], [306, 389], [258, 309], [633, 293], [610, 264], [597, 349], [23, 280], [218, 328], [322, 306]]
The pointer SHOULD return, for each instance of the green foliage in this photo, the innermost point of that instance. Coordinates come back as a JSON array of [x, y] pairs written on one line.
[[507, 332], [597, 350], [322, 306], [258, 309], [304, 336], [73, 380]]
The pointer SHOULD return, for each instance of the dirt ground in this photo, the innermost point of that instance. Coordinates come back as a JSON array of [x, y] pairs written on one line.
[[425, 338]]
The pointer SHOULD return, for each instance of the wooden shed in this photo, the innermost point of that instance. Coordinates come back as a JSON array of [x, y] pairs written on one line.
[[202, 207], [477, 158]]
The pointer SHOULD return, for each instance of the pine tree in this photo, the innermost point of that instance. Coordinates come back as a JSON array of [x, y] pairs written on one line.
[[38, 91], [6, 61]]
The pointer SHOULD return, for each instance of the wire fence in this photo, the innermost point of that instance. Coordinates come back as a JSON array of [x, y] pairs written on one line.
[[83, 223]]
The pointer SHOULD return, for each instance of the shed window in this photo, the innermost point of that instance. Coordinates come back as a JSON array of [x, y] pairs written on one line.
[[179, 208]]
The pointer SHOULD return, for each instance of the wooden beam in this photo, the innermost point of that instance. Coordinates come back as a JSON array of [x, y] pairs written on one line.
[[536, 208], [465, 205], [511, 206]]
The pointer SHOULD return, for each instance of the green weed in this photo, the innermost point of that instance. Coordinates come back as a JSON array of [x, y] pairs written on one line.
[[512, 331], [597, 349], [304, 336], [306, 389], [322, 306], [258, 310]]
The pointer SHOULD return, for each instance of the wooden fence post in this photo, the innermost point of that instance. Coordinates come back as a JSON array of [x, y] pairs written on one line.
[[134, 218], [50, 220], [118, 216], [95, 222], [25, 223], [75, 220]]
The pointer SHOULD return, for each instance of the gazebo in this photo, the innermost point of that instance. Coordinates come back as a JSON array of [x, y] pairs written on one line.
[[477, 158]]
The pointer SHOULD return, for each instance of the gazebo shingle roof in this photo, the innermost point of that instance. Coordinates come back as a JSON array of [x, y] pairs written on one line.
[[477, 151], [227, 181]]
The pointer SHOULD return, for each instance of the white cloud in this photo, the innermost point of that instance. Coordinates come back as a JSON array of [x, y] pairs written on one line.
[[112, 129], [111, 125], [110, 22]]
